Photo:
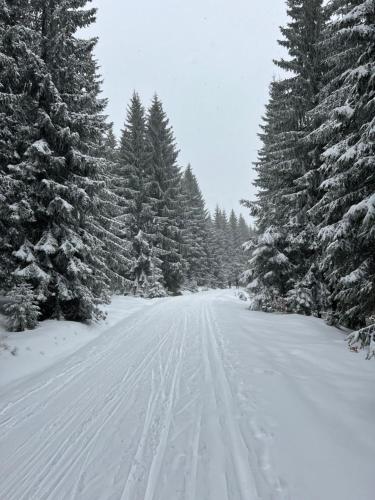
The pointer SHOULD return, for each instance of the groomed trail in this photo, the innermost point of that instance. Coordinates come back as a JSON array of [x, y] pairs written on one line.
[[195, 398]]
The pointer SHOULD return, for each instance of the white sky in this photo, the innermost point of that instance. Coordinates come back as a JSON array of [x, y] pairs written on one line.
[[210, 61]]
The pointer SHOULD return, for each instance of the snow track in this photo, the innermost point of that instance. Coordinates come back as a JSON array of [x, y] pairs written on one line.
[[173, 403]]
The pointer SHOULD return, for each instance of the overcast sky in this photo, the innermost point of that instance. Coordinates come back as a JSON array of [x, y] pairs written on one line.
[[210, 61]]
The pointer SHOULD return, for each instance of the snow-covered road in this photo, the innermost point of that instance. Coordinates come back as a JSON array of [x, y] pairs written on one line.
[[195, 398]]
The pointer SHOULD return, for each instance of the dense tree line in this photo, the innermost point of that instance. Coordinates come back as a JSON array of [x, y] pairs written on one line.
[[315, 210], [82, 217]]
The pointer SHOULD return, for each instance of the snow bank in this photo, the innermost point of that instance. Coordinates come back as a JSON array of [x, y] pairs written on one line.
[[23, 354]]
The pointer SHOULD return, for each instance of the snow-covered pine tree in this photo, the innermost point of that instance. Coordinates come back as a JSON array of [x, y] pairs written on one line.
[[60, 166], [110, 145], [346, 210], [22, 311], [286, 160], [132, 182], [16, 130], [235, 248], [364, 339], [269, 265], [302, 39], [269, 268], [196, 248], [165, 193], [216, 274], [222, 244], [244, 230], [245, 234], [110, 233]]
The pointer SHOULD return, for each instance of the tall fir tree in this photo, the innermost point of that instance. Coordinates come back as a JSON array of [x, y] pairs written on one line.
[[196, 248], [107, 226], [235, 251], [269, 265], [346, 209], [133, 180], [59, 163], [287, 165], [165, 194], [18, 59]]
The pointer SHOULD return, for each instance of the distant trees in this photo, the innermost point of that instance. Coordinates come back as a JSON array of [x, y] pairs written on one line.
[[315, 206], [175, 243], [229, 235]]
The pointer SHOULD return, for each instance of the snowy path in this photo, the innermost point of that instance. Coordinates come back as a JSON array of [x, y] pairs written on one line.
[[195, 398]]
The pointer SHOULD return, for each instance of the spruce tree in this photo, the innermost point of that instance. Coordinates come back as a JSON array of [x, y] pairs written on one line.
[[345, 212], [107, 227], [287, 161], [165, 192], [18, 58], [196, 249], [269, 266], [22, 311], [60, 163], [217, 278], [133, 180], [235, 250]]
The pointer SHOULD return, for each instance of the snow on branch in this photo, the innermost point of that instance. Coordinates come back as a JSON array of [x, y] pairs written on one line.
[[363, 339]]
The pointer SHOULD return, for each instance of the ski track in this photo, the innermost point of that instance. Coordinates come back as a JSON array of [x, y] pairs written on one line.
[[158, 408]]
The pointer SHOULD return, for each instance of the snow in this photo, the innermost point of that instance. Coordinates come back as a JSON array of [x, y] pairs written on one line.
[[191, 397], [59, 204], [47, 244], [41, 147], [269, 237], [24, 253], [53, 341], [367, 206], [32, 271]]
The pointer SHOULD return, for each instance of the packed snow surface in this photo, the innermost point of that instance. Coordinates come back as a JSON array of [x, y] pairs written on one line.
[[23, 354], [193, 398]]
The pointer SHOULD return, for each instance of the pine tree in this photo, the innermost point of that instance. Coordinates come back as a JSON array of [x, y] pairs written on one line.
[[345, 212], [246, 234], [287, 162], [269, 271], [217, 277], [22, 311], [107, 227], [221, 229], [165, 193], [110, 145], [133, 180], [17, 130], [196, 249], [269, 266], [301, 38], [235, 250], [59, 163]]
